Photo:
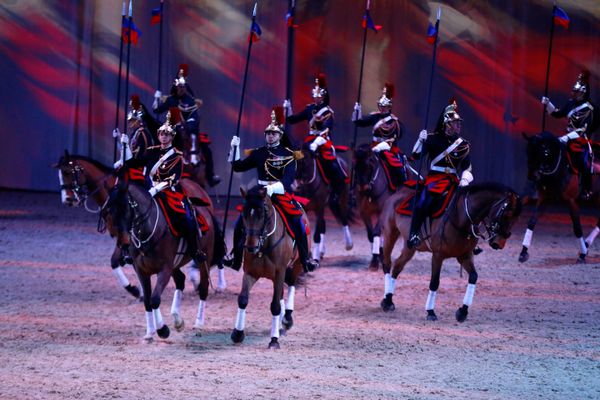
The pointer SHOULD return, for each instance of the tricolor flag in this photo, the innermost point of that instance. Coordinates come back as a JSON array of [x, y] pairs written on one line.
[[368, 22], [431, 34], [132, 31], [255, 32], [156, 15], [560, 17]]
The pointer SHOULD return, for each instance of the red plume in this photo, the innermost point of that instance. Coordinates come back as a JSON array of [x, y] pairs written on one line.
[[390, 90], [175, 115], [183, 70], [322, 80], [135, 102], [584, 76], [279, 115]]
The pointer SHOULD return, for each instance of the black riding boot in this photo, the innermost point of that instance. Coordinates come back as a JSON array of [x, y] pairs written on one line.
[[239, 237], [414, 238], [212, 179], [302, 245], [192, 236]]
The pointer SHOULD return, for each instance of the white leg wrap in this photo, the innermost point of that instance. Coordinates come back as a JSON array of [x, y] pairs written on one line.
[[389, 284], [200, 315], [316, 252], [376, 245], [63, 192], [527, 238], [158, 319], [468, 300], [592, 236], [430, 305], [322, 246], [194, 275], [176, 304], [282, 312], [240, 320], [123, 281], [291, 297], [275, 326], [582, 245], [348, 237], [150, 325], [222, 283]]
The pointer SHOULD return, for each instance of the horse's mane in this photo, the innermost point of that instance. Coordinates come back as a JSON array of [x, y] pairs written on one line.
[[96, 163], [255, 197]]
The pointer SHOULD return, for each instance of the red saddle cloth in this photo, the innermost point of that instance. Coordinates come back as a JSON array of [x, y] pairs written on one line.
[[286, 203], [136, 175], [171, 204], [390, 160], [442, 186]]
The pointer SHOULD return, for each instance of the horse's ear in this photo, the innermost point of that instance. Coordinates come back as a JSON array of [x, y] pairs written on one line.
[[527, 138], [263, 192], [243, 192]]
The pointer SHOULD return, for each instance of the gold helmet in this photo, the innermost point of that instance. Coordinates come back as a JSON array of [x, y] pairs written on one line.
[[451, 112], [386, 95], [277, 120], [320, 89], [136, 111]]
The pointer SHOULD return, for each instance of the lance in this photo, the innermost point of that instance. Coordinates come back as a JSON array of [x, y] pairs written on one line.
[[127, 73], [239, 120], [425, 121], [548, 67], [290, 54], [123, 13], [160, 36]]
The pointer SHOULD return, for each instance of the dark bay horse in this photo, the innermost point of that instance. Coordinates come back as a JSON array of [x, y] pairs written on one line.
[[490, 206], [372, 192], [268, 253], [310, 184], [156, 251], [548, 168]]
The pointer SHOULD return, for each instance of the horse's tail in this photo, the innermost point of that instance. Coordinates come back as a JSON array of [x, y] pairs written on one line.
[[219, 249]]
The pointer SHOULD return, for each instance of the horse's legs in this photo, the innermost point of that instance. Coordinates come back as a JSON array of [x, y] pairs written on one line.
[[538, 211], [202, 294], [276, 308], [318, 249], [179, 279], [162, 279], [120, 275], [194, 273], [288, 321], [434, 284], [592, 236], [576, 221], [237, 335], [389, 286], [376, 246], [146, 290], [221, 281], [466, 262]]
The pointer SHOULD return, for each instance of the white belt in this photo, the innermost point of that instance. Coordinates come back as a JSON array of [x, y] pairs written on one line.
[[447, 170], [265, 183]]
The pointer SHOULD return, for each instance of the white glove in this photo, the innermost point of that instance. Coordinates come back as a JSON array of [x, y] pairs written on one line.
[[276, 188], [316, 143], [124, 139], [158, 188], [157, 94], [465, 178], [418, 147], [550, 108], [234, 153], [383, 146], [287, 106], [357, 113], [118, 164], [116, 133], [567, 137], [235, 141], [423, 135]]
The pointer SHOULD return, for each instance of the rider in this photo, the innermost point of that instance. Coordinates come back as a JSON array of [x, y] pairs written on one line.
[[386, 133], [275, 164], [320, 119], [164, 164], [182, 97], [449, 154], [582, 122]]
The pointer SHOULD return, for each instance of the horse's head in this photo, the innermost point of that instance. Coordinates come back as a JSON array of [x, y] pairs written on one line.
[[364, 166], [72, 180], [117, 211], [257, 217], [543, 155], [503, 215]]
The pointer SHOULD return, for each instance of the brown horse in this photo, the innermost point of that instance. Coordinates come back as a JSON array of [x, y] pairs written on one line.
[[156, 251], [268, 253], [309, 183], [454, 234], [548, 168], [372, 192]]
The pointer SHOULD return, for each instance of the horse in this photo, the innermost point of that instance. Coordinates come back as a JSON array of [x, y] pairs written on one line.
[[454, 234], [157, 251], [372, 192], [309, 182], [268, 253], [548, 168]]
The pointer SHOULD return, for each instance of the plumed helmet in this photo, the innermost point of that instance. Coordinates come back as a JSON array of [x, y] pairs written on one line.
[[451, 112], [277, 120], [583, 82], [183, 70], [386, 95], [173, 118], [320, 89], [136, 111]]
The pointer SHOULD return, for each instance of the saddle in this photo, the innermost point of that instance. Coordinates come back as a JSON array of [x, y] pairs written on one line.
[[172, 207], [438, 206], [389, 161]]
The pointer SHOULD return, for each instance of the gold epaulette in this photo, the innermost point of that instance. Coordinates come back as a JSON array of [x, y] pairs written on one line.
[[247, 152], [154, 147], [298, 155], [178, 152]]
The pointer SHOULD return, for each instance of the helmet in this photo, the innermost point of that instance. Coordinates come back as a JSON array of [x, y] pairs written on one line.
[[451, 112], [386, 95], [583, 83], [277, 120], [135, 109], [173, 118], [183, 70], [320, 89]]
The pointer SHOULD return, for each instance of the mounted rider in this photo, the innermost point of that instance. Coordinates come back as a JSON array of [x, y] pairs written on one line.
[[164, 165], [182, 97], [275, 164], [387, 131], [583, 120], [449, 159], [320, 120]]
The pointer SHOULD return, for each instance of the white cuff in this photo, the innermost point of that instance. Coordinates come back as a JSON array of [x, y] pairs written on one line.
[[275, 188], [418, 146], [550, 108], [234, 154], [465, 178], [383, 146]]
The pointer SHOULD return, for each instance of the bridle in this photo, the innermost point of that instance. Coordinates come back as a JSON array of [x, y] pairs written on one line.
[[492, 226], [264, 232], [78, 185]]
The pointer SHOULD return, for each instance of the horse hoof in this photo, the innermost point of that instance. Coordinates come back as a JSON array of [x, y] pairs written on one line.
[[237, 336], [282, 332], [198, 324], [374, 265], [178, 322], [461, 313], [387, 304], [431, 315], [148, 338], [133, 290], [274, 344], [163, 332], [581, 259], [287, 322], [349, 246], [587, 245], [524, 256]]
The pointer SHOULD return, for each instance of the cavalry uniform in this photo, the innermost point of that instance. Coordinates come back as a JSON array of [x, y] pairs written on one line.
[[320, 120], [386, 133], [449, 159], [141, 139], [275, 165], [582, 120]]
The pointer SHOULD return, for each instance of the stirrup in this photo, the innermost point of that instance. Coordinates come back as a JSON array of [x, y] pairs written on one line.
[[229, 261], [310, 265], [414, 241]]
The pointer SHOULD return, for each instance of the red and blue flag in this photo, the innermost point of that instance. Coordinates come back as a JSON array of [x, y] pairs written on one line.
[[156, 15], [255, 32], [560, 17], [368, 22], [130, 30], [431, 34]]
